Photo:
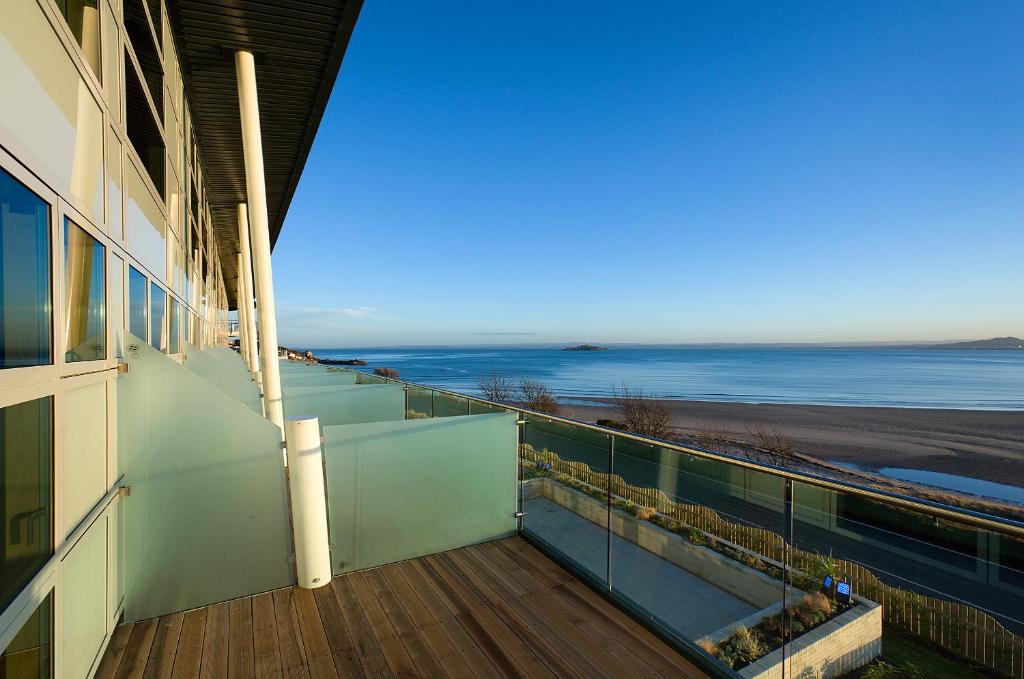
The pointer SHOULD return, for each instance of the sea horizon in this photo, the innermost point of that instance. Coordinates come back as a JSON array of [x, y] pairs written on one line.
[[862, 376]]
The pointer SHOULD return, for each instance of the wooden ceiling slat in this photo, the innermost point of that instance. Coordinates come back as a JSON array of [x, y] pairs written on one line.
[[300, 45]]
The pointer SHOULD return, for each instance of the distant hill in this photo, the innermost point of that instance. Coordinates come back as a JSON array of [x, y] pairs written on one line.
[[994, 343]]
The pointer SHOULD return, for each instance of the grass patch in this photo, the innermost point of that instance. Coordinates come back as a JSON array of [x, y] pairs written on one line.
[[914, 659]]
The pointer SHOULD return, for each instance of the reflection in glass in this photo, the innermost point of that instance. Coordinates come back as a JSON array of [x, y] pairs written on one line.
[[29, 654], [137, 303], [26, 453], [173, 345], [157, 309], [25, 310], [85, 330], [83, 17]]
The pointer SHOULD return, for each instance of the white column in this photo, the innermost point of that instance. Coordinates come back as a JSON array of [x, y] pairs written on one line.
[[309, 502], [243, 328], [252, 145], [245, 291]]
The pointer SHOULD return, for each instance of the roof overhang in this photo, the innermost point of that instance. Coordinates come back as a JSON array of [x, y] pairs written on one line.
[[298, 46]]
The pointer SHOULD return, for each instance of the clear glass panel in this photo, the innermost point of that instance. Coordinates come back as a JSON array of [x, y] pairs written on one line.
[[565, 491], [476, 408], [174, 329], [157, 309], [446, 484], [85, 331], [83, 17], [420, 404], [207, 517], [446, 405], [366, 378], [346, 404], [138, 303], [30, 653], [948, 589], [26, 475], [697, 544], [25, 313]]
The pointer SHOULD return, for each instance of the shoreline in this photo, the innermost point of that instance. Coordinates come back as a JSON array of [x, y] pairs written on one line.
[[987, 445]]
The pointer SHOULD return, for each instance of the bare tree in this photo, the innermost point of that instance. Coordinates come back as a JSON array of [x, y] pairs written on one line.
[[772, 442], [390, 373], [713, 438], [641, 414], [535, 396], [495, 387]]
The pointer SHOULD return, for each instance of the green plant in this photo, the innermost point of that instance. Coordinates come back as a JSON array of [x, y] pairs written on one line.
[[882, 670]]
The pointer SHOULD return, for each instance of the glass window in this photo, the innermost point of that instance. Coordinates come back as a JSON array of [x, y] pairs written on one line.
[[26, 467], [85, 331], [173, 345], [83, 17], [157, 309], [143, 132], [138, 316], [30, 654], [25, 313]]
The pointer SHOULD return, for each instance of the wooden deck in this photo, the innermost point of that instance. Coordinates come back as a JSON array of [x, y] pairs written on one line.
[[498, 609]]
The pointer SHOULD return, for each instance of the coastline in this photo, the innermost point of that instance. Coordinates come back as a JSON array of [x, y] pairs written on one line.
[[851, 442]]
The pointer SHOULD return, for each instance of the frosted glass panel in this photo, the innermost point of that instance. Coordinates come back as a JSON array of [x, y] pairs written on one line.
[[83, 601], [399, 490], [84, 430], [206, 520], [233, 380], [347, 404]]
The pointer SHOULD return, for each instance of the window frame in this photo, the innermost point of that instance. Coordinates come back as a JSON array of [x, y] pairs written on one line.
[[10, 377], [109, 360]]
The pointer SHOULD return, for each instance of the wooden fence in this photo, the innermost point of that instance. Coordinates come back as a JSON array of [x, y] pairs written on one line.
[[960, 629]]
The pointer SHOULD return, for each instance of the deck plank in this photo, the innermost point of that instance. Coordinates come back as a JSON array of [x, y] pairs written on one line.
[[165, 647], [241, 654], [215, 642], [319, 658], [293, 659], [339, 639], [115, 651], [266, 649], [491, 610], [189, 653], [136, 655]]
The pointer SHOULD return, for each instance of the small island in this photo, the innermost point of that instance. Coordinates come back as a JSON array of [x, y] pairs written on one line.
[[585, 347]]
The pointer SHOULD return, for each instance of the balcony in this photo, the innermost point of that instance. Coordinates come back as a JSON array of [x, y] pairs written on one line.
[[474, 538], [496, 609]]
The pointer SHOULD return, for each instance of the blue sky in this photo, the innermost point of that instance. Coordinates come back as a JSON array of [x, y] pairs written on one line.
[[664, 172]]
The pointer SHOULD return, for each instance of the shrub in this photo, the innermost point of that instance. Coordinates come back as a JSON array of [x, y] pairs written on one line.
[[749, 645], [611, 424], [695, 536], [415, 415], [641, 414], [646, 513], [390, 373], [708, 646], [535, 396], [819, 603]]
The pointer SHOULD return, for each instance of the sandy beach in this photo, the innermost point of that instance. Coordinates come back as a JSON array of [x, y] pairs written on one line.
[[986, 445]]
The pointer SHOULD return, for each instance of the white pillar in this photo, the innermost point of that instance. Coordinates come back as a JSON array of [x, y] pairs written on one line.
[[245, 291], [252, 145], [243, 328], [309, 502]]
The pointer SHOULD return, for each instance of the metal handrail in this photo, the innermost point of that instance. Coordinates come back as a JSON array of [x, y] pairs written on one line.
[[931, 508]]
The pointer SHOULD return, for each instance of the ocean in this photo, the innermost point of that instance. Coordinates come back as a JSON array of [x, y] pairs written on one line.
[[909, 378]]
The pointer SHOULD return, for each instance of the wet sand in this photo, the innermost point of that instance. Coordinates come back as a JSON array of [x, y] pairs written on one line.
[[986, 445]]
